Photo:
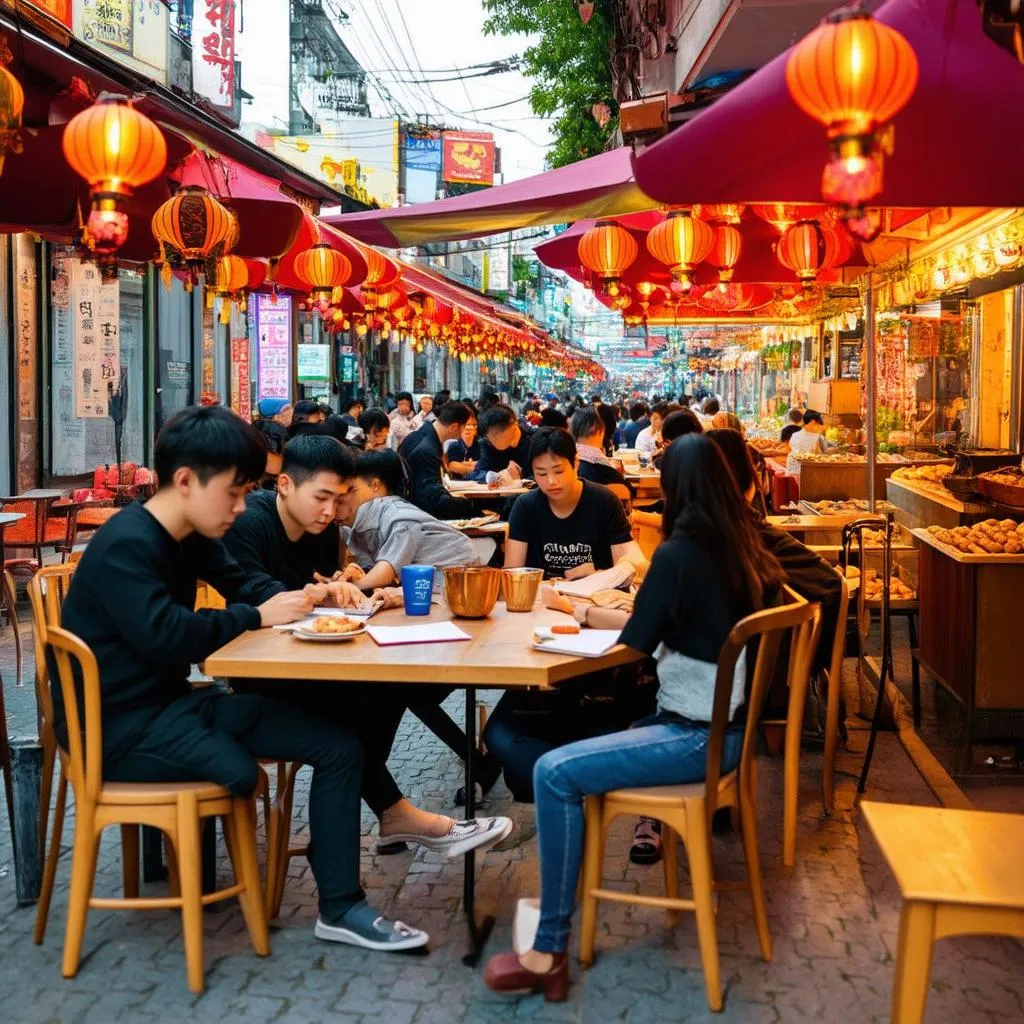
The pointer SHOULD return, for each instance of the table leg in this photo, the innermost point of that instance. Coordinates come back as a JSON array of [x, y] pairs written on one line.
[[478, 931]]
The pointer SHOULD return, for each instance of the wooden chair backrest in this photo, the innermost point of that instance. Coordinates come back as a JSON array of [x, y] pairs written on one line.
[[207, 597], [803, 621], [835, 668], [646, 531], [85, 736], [46, 592], [621, 491], [30, 531]]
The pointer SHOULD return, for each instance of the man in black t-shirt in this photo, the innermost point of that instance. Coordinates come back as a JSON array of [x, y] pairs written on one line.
[[569, 528]]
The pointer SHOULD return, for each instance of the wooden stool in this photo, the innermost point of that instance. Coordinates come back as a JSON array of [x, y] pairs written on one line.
[[958, 874]]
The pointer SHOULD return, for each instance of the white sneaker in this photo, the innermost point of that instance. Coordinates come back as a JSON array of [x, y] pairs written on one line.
[[462, 837], [362, 926]]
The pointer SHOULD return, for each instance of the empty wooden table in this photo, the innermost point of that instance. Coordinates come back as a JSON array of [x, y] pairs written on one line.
[[497, 656]]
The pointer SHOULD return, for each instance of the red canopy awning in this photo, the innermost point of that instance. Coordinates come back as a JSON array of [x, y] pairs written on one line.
[[597, 187], [955, 140]]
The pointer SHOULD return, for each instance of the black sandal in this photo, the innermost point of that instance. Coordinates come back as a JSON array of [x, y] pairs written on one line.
[[646, 848]]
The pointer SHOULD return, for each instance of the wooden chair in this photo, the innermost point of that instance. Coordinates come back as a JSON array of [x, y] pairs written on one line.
[[177, 809], [958, 875], [833, 691], [687, 810], [646, 531]]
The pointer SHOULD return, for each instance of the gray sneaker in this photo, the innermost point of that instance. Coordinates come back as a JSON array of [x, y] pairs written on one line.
[[462, 837], [363, 926]]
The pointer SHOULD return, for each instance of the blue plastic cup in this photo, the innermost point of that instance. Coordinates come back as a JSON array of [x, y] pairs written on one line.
[[417, 587]]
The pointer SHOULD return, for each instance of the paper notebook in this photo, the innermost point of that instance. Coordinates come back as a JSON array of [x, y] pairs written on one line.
[[428, 633], [607, 579], [588, 643]]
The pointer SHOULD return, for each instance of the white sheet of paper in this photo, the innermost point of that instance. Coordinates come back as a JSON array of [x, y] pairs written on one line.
[[428, 633], [588, 643]]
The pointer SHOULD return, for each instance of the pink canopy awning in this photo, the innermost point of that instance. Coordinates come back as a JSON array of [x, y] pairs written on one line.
[[955, 140], [600, 186]]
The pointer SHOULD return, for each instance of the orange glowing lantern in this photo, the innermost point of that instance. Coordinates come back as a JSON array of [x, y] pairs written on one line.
[[722, 213], [725, 252], [12, 103], [229, 283], [807, 248], [608, 249], [322, 269], [681, 241], [116, 150], [854, 75], [194, 229]]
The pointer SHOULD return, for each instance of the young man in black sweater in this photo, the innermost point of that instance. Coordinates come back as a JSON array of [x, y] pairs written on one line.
[[504, 448], [423, 454], [288, 541], [132, 601]]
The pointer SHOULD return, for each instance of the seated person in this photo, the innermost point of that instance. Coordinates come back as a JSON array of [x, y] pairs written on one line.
[[376, 427], [810, 439], [553, 418], [648, 441], [569, 528], [504, 448], [794, 421], [677, 424], [305, 411], [401, 419], [132, 601], [423, 454], [287, 540], [589, 431], [463, 453]]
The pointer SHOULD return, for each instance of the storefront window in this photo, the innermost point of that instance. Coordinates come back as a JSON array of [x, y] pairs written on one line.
[[97, 366], [176, 331], [995, 371]]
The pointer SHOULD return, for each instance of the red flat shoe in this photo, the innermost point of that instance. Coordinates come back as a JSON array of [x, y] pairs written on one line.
[[504, 973]]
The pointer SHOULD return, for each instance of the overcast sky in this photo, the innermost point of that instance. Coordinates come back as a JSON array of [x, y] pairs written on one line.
[[393, 39]]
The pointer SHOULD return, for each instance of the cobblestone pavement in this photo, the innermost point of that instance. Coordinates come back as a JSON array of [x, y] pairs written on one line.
[[833, 921]]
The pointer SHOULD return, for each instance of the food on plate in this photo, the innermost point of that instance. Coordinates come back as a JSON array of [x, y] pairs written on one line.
[[333, 625], [834, 507], [933, 473], [768, 446], [568, 629], [991, 537], [844, 457], [1007, 477]]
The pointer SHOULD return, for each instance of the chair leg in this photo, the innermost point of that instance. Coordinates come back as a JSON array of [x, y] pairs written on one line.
[[752, 858], [83, 872], [913, 962], [48, 743], [283, 834], [130, 861], [670, 862], [5, 761], [10, 598], [239, 827], [186, 841], [828, 781], [915, 670], [50, 869], [593, 858], [791, 772], [171, 857], [698, 848]]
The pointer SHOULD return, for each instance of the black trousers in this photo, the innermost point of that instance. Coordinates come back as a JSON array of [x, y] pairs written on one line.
[[209, 735]]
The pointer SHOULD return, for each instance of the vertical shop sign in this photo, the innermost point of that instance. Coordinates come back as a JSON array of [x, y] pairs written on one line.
[[68, 435], [27, 326], [241, 399], [213, 51], [108, 23], [468, 157], [96, 321], [274, 333]]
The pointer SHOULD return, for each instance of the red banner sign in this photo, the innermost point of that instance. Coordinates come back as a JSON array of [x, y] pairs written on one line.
[[241, 399], [468, 157], [213, 51], [60, 10]]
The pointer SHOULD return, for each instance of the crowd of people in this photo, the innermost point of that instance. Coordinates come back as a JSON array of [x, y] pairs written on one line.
[[373, 483]]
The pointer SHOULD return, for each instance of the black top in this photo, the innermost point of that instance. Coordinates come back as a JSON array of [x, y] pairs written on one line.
[[494, 461], [599, 473], [259, 544], [131, 600], [683, 603], [458, 452], [274, 434], [631, 431], [425, 468], [587, 535], [789, 430]]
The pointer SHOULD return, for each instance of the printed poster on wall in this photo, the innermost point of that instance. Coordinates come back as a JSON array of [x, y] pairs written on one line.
[[241, 399], [213, 51], [468, 157], [134, 32], [96, 321], [25, 306], [108, 23], [68, 435], [274, 345]]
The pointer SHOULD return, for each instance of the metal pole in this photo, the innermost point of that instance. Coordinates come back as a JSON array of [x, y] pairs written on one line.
[[26, 773], [869, 354]]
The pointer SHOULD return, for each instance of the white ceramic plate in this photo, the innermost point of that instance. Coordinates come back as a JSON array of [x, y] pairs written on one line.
[[303, 634]]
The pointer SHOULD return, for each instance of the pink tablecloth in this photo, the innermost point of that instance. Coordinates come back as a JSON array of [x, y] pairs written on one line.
[[785, 486]]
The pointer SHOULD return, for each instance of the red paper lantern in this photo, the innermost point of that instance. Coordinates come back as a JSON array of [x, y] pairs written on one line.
[[722, 213], [725, 252], [681, 241], [808, 248], [322, 269], [608, 249]]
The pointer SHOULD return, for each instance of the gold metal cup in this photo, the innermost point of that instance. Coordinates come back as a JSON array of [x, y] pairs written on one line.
[[521, 586], [471, 591]]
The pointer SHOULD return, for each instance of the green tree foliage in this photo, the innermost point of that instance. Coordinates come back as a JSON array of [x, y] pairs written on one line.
[[569, 66]]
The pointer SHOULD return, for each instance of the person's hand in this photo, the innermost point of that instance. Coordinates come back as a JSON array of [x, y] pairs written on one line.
[[346, 595], [392, 597], [317, 592], [462, 468], [579, 571], [505, 478], [514, 471], [288, 606], [557, 602], [320, 578], [351, 573]]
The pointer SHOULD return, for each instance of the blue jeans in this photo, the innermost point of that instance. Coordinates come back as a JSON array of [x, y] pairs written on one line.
[[658, 754]]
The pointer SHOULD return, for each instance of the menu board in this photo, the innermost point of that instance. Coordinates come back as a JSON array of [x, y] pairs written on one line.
[[273, 351], [96, 323]]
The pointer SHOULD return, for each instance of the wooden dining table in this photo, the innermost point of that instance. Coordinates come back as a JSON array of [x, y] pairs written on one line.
[[497, 655]]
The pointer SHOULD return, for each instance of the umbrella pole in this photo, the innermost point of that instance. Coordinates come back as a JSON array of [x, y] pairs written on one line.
[[869, 355]]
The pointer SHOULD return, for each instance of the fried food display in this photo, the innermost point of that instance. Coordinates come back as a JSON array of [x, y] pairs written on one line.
[[934, 473], [333, 625], [991, 537]]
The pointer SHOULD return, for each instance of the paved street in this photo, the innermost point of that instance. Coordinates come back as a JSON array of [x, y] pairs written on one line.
[[833, 921]]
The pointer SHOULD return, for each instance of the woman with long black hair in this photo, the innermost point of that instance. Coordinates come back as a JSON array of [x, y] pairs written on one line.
[[710, 571]]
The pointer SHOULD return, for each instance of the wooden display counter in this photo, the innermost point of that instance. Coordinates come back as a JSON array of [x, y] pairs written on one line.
[[970, 641], [921, 505]]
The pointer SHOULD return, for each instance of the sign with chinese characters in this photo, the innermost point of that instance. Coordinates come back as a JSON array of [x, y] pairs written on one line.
[[25, 334], [241, 399], [108, 23], [469, 157], [213, 51], [134, 32], [274, 346], [95, 317], [313, 362]]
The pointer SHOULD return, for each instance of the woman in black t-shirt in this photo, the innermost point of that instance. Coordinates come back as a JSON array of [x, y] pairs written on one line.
[[711, 571]]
